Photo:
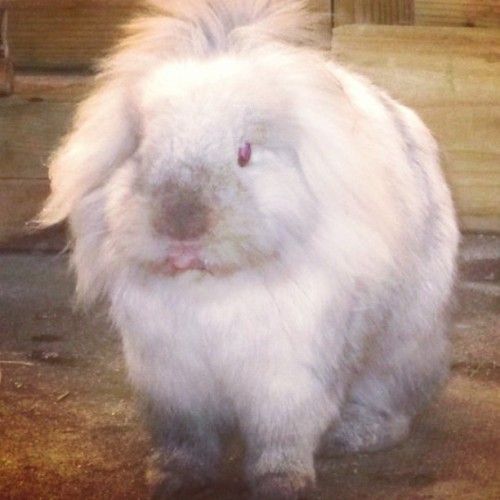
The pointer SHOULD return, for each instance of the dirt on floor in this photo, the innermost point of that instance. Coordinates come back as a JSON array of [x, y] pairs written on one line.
[[69, 427]]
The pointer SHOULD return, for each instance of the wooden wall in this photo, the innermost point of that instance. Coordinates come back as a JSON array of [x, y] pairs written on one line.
[[450, 75], [457, 13]]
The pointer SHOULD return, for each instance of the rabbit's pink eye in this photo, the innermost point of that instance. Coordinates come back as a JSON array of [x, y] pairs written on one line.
[[244, 154]]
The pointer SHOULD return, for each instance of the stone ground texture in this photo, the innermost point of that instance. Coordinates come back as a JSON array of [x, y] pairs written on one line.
[[69, 428]]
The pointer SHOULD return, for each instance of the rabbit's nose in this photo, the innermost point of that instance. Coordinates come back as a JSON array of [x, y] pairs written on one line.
[[181, 213]]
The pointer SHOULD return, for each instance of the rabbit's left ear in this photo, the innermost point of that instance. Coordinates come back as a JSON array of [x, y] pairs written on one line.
[[103, 136]]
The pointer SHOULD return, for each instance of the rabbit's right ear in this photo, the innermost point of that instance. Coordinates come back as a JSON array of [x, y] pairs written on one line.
[[103, 136]]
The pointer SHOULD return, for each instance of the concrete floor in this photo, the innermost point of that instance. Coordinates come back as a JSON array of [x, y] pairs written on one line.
[[69, 428]]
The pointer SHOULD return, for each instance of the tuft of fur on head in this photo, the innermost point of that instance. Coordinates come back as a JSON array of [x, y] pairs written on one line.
[[217, 25]]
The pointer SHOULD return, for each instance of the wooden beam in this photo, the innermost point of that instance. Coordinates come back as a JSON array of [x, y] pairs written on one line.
[[74, 36], [373, 12], [450, 76], [472, 13]]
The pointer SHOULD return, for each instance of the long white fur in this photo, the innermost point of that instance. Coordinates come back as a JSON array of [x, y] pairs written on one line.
[[333, 252]]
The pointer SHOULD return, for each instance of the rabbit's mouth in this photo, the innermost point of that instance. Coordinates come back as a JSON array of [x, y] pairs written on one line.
[[220, 258], [181, 257]]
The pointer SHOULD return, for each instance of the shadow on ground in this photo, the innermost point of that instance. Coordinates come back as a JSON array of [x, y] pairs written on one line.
[[69, 427]]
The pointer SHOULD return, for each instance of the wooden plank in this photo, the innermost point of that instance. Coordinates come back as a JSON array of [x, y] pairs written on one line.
[[373, 12], [64, 37], [472, 13], [450, 76], [33, 120]]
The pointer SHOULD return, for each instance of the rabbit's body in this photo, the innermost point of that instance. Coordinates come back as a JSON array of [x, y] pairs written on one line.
[[276, 242]]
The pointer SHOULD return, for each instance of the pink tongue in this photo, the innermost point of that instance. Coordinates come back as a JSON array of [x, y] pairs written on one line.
[[185, 262], [184, 257]]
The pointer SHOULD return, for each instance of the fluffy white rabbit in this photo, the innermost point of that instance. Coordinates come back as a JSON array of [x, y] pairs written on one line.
[[273, 235]]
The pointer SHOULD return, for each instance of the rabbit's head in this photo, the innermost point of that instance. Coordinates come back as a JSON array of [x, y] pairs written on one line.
[[206, 172], [215, 183]]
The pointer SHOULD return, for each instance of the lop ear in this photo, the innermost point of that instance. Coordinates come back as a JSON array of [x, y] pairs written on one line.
[[102, 137]]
